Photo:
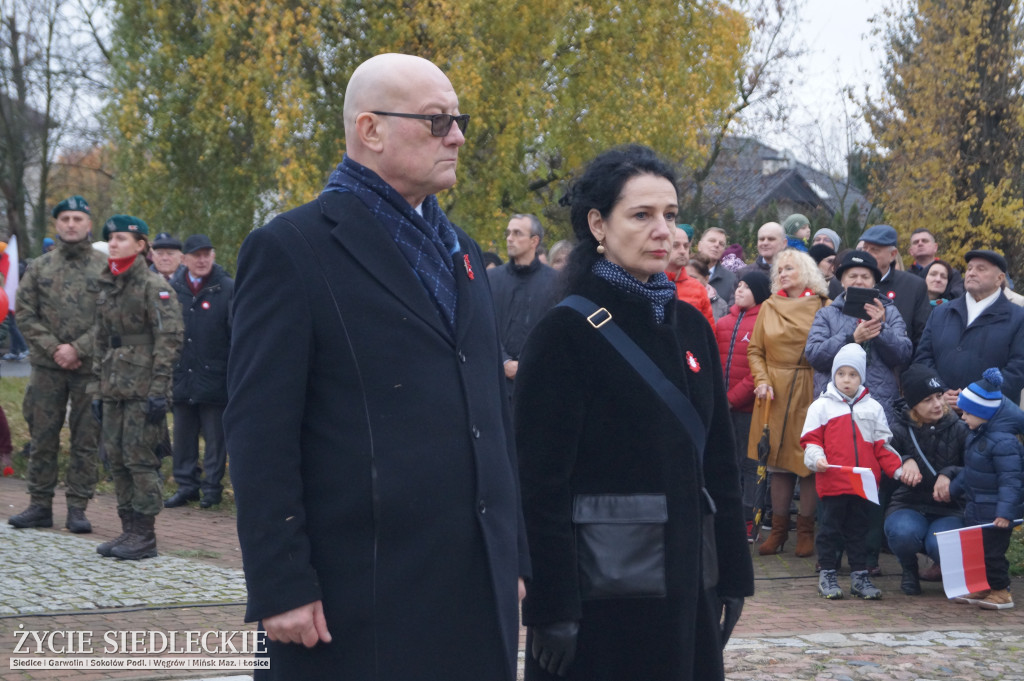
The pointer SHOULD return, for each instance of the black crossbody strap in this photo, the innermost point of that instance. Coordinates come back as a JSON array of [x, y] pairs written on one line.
[[913, 438], [678, 403]]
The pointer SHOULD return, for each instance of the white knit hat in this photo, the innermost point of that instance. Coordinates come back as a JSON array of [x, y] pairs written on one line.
[[851, 355]]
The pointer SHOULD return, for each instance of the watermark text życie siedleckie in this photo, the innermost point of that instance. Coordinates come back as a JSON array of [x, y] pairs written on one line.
[[141, 642]]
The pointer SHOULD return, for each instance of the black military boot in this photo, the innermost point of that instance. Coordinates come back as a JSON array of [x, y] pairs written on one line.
[[33, 516], [141, 543], [126, 529], [77, 523]]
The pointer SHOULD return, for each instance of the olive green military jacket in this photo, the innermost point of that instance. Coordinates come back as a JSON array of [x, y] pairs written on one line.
[[56, 303], [139, 331]]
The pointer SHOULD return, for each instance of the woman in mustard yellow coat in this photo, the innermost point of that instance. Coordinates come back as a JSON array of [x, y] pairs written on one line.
[[783, 376]]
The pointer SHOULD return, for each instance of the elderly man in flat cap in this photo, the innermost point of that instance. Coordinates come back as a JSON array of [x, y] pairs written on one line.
[[167, 255], [980, 329], [205, 292], [907, 292]]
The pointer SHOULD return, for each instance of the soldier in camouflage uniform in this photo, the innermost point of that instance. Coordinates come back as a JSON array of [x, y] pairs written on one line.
[[138, 337], [56, 308]]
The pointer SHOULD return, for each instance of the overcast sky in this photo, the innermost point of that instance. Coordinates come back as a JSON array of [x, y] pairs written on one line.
[[841, 52]]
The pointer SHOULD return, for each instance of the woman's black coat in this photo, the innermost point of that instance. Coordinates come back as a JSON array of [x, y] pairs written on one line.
[[586, 423]]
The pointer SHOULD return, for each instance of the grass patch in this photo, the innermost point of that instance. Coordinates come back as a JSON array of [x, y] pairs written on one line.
[[12, 392], [1015, 554]]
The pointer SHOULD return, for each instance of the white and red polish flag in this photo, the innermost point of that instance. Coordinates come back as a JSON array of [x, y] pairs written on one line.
[[862, 480], [962, 557]]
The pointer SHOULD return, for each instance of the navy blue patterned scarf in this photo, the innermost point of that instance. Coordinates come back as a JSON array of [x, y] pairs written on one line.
[[427, 241], [658, 290]]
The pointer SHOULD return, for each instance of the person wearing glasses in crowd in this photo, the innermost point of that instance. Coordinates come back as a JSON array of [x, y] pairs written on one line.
[[523, 289], [367, 423]]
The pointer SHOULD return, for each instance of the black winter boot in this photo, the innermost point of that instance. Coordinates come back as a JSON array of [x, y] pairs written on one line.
[[910, 584], [77, 523], [33, 516], [127, 518], [141, 543]]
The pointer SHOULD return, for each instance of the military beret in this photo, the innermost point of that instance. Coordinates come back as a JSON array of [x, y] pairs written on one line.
[[124, 223], [75, 202], [165, 240]]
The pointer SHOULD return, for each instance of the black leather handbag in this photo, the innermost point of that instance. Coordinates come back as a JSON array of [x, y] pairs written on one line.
[[590, 542], [620, 544]]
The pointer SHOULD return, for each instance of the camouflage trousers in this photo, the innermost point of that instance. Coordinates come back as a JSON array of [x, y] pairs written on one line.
[[131, 444], [45, 408]]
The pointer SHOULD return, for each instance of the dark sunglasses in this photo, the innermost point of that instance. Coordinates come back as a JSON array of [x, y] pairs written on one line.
[[440, 124]]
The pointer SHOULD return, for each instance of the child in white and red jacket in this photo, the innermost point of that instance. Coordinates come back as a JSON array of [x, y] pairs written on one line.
[[846, 427]]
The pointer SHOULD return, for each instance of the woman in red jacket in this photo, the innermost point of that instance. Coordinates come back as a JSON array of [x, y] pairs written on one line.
[[733, 333]]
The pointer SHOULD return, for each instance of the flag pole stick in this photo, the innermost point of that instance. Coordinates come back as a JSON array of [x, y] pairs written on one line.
[[1015, 523]]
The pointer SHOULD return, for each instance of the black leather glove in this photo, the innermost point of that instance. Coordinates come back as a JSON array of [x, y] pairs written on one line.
[[97, 410], [732, 607], [156, 407], [554, 646]]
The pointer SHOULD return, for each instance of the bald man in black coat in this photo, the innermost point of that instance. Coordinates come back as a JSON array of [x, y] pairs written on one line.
[[367, 425]]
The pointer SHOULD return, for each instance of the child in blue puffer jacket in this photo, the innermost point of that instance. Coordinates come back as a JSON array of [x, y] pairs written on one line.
[[991, 480]]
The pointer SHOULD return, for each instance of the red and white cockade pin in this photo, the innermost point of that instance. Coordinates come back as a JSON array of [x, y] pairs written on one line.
[[692, 362], [891, 295], [469, 268], [206, 305]]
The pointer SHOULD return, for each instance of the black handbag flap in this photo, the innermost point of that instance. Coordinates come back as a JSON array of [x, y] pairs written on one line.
[[620, 508]]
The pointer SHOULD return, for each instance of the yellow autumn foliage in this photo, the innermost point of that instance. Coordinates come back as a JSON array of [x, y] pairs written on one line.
[[949, 124], [226, 111]]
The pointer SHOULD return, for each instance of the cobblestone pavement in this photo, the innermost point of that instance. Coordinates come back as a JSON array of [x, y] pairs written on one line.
[[50, 572], [917, 656], [51, 580]]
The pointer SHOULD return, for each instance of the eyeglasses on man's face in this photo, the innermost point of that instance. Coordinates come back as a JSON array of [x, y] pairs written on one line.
[[440, 124]]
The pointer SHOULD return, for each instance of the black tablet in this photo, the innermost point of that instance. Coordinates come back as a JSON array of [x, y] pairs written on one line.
[[856, 298]]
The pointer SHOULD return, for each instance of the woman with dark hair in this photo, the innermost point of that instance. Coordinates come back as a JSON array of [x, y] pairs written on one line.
[[938, 277], [138, 336], [620, 491]]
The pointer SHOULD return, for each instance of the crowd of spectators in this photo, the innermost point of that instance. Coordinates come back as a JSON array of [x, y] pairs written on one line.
[[782, 319]]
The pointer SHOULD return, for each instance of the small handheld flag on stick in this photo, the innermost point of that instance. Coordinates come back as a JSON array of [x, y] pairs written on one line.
[[862, 480], [962, 557]]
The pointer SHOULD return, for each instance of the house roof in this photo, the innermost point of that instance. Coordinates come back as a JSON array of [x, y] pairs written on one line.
[[749, 175]]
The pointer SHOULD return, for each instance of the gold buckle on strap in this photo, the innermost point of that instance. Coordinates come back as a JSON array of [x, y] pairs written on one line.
[[602, 322]]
